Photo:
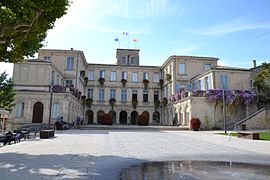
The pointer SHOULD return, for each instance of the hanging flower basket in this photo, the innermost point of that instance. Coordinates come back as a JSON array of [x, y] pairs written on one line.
[[101, 81], [112, 102], [145, 82], [134, 103], [168, 78], [89, 102], [82, 73], [161, 83], [157, 104], [165, 102], [83, 97], [124, 81], [85, 81]]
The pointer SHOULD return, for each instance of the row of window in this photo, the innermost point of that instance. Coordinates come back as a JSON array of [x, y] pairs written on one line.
[[101, 94], [128, 60], [55, 110], [124, 75], [182, 69]]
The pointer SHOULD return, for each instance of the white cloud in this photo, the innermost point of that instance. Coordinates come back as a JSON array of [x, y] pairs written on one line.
[[238, 24], [6, 67]]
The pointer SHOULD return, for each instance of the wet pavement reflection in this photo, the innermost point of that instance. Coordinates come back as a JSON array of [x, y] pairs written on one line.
[[195, 170]]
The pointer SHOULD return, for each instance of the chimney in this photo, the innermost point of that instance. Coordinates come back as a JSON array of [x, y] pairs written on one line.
[[254, 63], [71, 49]]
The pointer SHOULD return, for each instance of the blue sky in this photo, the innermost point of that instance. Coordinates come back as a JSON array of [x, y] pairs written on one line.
[[236, 31]]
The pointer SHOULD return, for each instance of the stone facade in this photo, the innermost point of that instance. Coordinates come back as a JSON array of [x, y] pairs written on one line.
[[88, 90]]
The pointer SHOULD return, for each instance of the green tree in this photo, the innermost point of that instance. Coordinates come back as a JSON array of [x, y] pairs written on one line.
[[262, 79], [24, 25], [7, 94]]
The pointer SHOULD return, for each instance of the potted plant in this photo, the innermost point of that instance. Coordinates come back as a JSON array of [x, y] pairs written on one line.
[[85, 81], [124, 81], [101, 81], [195, 124], [142, 120], [89, 102], [106, 119], [112, 102], [145, 82], [134, 103], [82, 73]]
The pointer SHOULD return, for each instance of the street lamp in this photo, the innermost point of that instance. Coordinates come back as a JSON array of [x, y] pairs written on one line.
[[50, 110], [224, 108]]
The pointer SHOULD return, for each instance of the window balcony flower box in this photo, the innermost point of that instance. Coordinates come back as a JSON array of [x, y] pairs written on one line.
[[82, 73], [124, 81], [145, 82], [101, 81]]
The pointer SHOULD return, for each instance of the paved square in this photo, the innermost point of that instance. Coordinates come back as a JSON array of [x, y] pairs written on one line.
[[101, 154]]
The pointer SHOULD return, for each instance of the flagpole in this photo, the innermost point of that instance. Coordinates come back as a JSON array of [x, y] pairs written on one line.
[[128, 39]]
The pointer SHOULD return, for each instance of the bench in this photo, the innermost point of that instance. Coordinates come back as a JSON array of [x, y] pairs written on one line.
[[249, 135]]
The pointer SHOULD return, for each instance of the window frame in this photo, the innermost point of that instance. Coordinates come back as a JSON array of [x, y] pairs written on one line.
[[182, 71]]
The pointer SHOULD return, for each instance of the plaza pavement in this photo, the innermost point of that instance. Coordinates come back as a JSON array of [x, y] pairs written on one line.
[[101, 154]]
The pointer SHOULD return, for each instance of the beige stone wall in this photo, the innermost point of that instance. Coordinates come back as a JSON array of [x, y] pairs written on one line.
[[70, 107], [236, 79], [259, 121]]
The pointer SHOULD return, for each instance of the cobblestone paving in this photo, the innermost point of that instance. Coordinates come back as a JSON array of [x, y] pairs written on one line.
[[101, 154]]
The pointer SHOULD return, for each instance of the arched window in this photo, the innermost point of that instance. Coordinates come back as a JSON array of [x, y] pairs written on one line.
[[20, 109], [55, 110]]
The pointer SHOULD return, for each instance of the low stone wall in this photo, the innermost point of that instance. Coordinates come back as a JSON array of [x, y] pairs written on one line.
[[259, 121]]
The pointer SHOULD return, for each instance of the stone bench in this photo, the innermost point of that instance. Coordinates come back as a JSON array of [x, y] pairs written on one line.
[[45, 134], [249, 135]]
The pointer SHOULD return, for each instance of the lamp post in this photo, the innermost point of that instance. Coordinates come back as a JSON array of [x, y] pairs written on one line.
[[50, 110], [224, 109]]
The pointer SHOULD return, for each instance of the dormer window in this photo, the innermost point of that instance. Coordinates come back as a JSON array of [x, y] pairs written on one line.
[[132, 60], [47, 58], [124, 60]]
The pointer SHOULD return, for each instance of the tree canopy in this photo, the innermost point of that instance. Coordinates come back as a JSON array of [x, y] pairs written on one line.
[[24, 25], [7, 94], [262, 79]]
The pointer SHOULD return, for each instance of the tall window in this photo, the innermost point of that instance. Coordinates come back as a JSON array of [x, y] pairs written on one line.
[[113, 75], [57, 79], [145, 96], [132, 60], [156, 77], [206, 83], [182, 68], [156, 96], [134, 77], [112, 94], [70, 63], [90, 93], [53, 77], [224, 81], [69, 83], [207, 67], [102, 74], [101, 94], [47, 58], [123, 95], [20, 109], [91, 75], [124, 75], [124, 60], [55, 110], [180, 87], [134, 94], [145, 75]]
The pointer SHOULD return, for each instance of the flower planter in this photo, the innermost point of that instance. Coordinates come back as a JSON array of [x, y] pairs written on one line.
[[82, 73], [107, 119], [124, 81], [89, 102], [134, 103], [101, 81], [195, 124], [145, 82]]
